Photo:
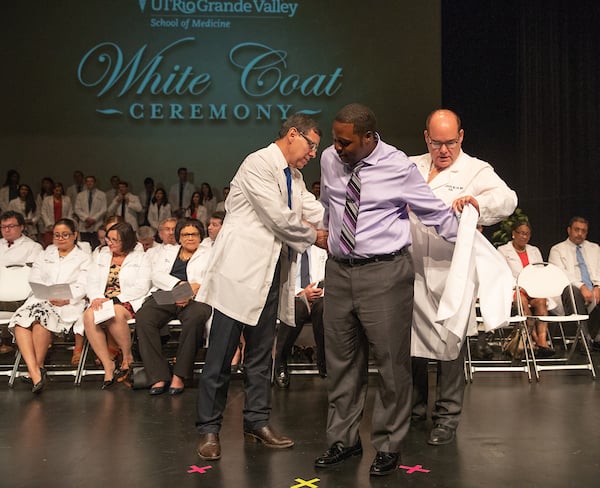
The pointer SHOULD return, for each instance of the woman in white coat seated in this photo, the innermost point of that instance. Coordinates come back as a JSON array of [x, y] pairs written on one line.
[[519, 253], [35, 321], [174, 266], [120, 276]]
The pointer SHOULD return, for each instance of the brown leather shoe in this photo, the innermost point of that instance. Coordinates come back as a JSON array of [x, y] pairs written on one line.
[[209, 447], [268, 437]]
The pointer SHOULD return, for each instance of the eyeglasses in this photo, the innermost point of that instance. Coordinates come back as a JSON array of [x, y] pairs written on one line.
[[63, 235], [313, 146], [523, 233], [110, 240], [191, 235], [438, 144], [9, 226]]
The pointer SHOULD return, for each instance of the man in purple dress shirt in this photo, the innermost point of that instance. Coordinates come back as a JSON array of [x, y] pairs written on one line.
[[369, 299]]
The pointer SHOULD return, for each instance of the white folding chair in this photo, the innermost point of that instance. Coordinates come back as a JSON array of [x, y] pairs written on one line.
[[14, 287], [543, 280], [491, 365]]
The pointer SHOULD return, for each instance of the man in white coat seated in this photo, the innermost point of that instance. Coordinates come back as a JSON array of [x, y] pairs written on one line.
[[251, 278], [16, 249], [459, 180], [308, 308]]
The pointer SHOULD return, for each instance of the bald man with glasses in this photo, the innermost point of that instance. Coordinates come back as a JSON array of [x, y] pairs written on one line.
[[459, 180]]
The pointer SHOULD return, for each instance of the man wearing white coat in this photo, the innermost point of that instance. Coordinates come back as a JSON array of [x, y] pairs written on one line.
[[459, 180], [251, 278]]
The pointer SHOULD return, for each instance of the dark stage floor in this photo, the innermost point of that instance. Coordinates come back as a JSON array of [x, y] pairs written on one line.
[[512, 434]]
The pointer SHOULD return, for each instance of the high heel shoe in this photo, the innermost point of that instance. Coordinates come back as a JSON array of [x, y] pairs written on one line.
[[39, 386], [108, 383]]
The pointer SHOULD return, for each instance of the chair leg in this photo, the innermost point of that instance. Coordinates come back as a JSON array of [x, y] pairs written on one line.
[[15, 370]]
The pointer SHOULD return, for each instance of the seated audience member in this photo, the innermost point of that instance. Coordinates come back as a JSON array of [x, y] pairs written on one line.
[[173, 267], [308, 308], [196, 210], [78, 328], [90, 209], [54, 208], [145, 236], [120, 276], [26, 206], [35, 321], [10, 189], [46, 190], [518, 254], [125, 204], [181, 192], [214, 226], [221, 205], [580, 260], [207, 199], [159, 208], [16, 249], [145, 197], [315, 189], [113, 191], [77, 186]]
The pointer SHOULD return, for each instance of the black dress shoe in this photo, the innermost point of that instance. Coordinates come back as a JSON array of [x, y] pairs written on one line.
[[209, 447], [175, 391], [544, 352], [268, 437], [337, 453], [158, 390], [441, 435], [108, 383], [384, 463], [322, 370], [282, 377], [483, 351]]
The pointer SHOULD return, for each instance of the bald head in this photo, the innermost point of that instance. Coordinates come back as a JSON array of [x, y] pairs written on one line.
[[443, 136]]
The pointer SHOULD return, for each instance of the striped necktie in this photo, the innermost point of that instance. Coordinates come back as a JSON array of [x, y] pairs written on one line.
[[347, 238]]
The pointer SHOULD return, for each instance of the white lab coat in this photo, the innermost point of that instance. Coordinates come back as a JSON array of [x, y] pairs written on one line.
[[258, 228], [156, 215], [48, 210], [162, 263], [23, 250], [433, 256], [132, 207], [97, 212], [134, 277], [50, 269]]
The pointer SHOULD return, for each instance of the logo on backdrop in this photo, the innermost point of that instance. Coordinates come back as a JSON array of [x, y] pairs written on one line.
[[119, 83], [272, 8]]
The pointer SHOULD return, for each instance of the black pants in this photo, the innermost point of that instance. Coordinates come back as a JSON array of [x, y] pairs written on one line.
[[214, 381], [591, 327], [151, 318]]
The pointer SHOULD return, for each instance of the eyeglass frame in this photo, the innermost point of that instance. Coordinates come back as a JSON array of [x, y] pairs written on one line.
[[312, 145], [451, 144], [63, 235]]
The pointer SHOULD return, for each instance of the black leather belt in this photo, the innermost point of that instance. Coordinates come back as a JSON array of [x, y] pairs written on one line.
[[372, 259]]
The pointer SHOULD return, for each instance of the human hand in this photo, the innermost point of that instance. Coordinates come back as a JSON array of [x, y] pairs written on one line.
[[459, 204], [321, 241], [97, 303], [59, 303]]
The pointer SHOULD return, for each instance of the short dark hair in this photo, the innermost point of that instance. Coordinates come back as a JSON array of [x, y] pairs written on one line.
[[519, 222], [11, 214], [127, 236], [361, 116], [219, 214], [578, 218], [302, 122], [187, 222]]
